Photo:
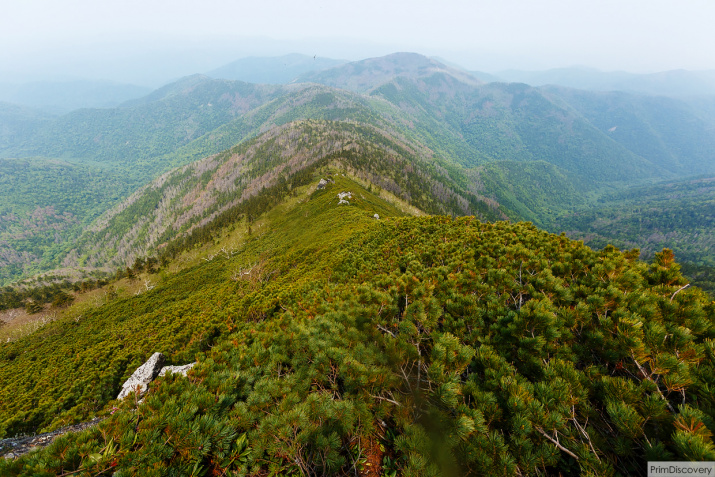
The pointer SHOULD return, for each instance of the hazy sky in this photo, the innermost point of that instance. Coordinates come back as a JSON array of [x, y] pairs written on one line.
[[108, 37]]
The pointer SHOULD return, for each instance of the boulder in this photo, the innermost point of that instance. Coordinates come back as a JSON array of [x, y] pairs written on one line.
[[182, 370], [323, 183], [376, 216], [343, 196], [139, 381]]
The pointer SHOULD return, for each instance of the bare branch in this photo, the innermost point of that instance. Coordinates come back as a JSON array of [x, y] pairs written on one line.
[[386, 330], [678, 291], [556, 443]]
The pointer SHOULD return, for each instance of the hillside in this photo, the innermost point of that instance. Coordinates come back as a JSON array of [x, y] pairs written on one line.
[[678, 215], [528, 153], [251, 176], [328, 340], [65, 96], [365, 75], [515, 122], [19, 122], [670, 133], [158, 124], [37, 223]]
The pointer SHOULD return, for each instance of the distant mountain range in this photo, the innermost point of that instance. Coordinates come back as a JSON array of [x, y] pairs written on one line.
[[59, 97], [495, 150], [66, 96], [334, 259], [678, 83]]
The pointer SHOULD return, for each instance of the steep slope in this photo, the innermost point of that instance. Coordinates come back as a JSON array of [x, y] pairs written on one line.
[[422, 346], [515, 122], [475, 123], [536, 191], [476, 135], [166, 120], [363, 76], [258, 172], [678, 215], [44, 206], [668, 132], [303, 101]]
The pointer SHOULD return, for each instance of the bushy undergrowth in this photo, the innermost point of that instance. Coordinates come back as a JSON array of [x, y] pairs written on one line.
[[436, 346]]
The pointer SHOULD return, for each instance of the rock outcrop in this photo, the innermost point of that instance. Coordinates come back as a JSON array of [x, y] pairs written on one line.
[[139, 381], [147, 372], [343, 196], [14, 447], [177, 369]]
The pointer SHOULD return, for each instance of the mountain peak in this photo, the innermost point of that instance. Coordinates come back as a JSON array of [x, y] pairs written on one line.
[[365, 75]]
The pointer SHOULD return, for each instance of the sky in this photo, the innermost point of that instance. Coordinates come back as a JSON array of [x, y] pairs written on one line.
[[151, 40]]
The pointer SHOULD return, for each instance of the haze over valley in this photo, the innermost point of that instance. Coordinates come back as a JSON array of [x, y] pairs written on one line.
[[427, 246]]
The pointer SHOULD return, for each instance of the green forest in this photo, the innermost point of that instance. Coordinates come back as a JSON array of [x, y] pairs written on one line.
[[391, 269], [419, 345], [674, 214], [523, 153]]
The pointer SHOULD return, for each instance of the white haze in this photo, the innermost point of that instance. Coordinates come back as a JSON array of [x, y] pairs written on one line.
[[149, 42]]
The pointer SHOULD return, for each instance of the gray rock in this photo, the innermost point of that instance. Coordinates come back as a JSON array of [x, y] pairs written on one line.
[[182, 370], [343, 196], [139, 381], [323, 183], [14, 447]]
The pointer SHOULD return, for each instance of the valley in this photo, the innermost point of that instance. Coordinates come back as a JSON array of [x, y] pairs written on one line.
[[536, 152], [520, 283]]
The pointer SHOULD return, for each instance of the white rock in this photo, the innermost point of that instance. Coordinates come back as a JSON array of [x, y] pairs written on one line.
[[343, 196], [182, 370], [376, 216], [139, 381]]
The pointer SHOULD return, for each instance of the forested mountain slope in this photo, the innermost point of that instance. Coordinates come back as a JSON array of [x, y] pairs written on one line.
[[18, 122], [263, 170], [516, 122], [45, 206], [532, 153], [328, 339], [167, 119], [669, 132], [365, 75], [679, 215]]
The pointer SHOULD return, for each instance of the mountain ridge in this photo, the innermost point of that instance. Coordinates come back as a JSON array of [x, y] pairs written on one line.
[[462, 124]]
